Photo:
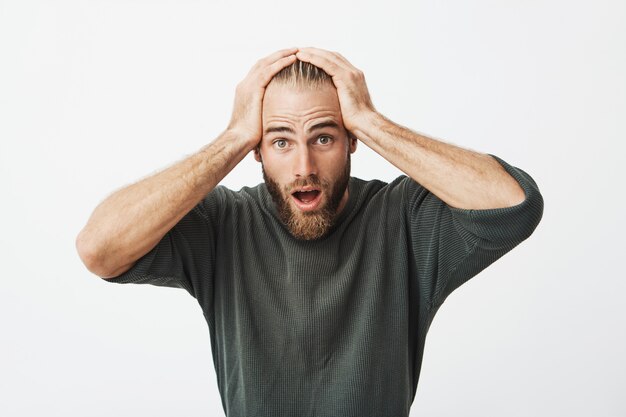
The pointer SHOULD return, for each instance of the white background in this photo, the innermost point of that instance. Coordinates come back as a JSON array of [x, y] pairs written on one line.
[[95, 95]]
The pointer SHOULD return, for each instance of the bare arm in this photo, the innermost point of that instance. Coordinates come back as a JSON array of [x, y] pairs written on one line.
[[460, 177], [132, 221]]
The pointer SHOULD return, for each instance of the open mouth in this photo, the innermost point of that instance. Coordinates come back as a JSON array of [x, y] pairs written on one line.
[[306, 196], [307, 199]]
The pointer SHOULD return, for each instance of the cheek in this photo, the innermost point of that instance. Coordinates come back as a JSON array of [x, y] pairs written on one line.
[[335, 164], [276, 171]]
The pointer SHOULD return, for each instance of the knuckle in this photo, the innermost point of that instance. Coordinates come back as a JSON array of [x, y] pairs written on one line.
[[260, 63], [268, 72]]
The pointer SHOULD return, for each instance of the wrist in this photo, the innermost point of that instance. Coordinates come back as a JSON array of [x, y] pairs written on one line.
[[246, 139], [368, 123]]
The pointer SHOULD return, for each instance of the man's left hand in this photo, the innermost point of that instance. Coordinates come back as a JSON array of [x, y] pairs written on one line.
[[354, 98]]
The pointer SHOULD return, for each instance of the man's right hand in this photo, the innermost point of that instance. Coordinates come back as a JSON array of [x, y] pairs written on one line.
[[246, 121], [127, 225]]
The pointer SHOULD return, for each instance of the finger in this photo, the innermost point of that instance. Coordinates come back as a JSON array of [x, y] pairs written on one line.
[[336, 69], [333, 57], [343, 58], [268, 72], [270, 59], [331, 68]]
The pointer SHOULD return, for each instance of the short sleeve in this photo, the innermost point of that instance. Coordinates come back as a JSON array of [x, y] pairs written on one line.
[[185, 256], [451, 245]]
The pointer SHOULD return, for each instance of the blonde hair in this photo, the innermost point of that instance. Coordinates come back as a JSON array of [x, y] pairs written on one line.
[[302, 74]]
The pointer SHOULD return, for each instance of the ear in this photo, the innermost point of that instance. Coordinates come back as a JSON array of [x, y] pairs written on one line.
[[257, 153], [352, 142]]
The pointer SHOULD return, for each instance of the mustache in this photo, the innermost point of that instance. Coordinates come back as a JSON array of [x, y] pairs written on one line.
[[311, 181]]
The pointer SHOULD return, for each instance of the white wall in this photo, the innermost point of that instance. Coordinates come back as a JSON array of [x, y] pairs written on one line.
[[97, 94]]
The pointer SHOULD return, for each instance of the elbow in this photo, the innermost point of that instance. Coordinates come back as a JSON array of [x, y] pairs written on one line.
[[502, 228], [85, 251], [518, 195], [512, 193], [531, 209], [536, 208], [90, 254]]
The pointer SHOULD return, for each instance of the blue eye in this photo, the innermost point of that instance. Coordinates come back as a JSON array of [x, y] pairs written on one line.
[[280, 143]]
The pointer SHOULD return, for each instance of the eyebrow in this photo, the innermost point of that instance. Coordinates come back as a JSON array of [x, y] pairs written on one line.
[[317, 126]]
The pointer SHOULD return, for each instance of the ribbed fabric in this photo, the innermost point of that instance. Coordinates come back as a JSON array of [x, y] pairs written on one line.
[[334, 327]]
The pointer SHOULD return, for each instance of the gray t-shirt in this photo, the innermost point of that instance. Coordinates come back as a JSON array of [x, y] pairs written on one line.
[[332, 327]]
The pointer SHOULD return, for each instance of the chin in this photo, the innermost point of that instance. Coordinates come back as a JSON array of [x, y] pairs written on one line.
[[308, 208], [309, 224]]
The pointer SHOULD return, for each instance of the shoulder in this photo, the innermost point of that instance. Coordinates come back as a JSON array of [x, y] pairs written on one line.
[[223, 201], [224, 195], [373, 186], [400, 186], [382, 196]]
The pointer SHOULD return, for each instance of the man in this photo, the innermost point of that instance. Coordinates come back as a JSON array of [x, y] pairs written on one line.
[[318, 288]]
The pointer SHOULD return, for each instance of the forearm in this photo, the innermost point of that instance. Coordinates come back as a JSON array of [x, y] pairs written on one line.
[[460, 177], [130, 222]]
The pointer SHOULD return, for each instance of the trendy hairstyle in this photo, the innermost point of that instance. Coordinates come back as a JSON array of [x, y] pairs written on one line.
[[302, 74]]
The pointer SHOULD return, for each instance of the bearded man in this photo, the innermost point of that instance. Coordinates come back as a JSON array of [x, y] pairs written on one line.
[[318, 288]]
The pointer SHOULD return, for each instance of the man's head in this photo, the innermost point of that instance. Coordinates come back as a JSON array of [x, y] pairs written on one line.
[[305, 149]]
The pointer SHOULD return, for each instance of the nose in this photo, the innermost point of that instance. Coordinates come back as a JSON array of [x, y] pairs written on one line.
[[304, 164]]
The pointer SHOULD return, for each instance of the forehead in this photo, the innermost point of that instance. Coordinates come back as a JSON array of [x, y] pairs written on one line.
[[299, 105]]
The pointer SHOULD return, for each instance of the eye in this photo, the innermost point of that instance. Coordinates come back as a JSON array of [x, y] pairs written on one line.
[[280, 143], [324, 140]]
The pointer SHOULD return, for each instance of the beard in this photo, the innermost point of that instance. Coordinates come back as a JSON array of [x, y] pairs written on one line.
[[315, 224]]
